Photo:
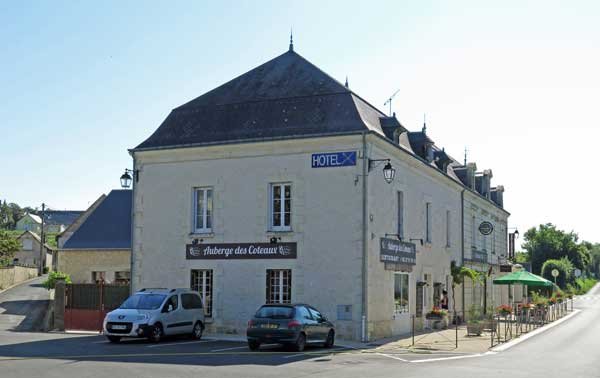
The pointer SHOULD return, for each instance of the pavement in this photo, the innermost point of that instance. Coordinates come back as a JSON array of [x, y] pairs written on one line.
[[23, 307], [567, 349]]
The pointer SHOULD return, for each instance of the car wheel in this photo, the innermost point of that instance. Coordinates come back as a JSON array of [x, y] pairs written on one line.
[[300, 343], [197, 331], [330, 339], [157, 333], [253, 345], [114, 339]]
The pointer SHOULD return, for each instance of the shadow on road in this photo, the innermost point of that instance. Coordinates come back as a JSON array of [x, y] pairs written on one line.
[[172, 351], [33, 312]]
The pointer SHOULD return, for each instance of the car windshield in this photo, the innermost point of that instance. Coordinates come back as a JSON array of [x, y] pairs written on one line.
[[275, 312], [143, 302]]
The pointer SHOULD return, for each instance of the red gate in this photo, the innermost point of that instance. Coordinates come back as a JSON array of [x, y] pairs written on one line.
[[86, 305]]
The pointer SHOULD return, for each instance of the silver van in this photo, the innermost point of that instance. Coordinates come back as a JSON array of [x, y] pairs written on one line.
[[154, 313]]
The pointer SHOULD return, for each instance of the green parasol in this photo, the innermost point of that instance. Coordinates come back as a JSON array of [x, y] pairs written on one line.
[[523, 277]]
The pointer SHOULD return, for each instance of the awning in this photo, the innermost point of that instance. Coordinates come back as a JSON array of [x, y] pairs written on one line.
[[524, 278]]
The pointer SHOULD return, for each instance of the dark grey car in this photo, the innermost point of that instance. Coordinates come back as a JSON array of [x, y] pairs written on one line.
[[296, 325]]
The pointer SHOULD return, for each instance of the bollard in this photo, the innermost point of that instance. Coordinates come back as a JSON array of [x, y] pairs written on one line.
[[413, 330]]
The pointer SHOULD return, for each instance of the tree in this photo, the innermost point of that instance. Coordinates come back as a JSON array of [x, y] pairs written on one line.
[[565, 271], [547, 242], [8, 247], [459, 273]]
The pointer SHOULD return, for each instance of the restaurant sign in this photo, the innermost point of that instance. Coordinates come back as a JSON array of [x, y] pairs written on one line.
[[231, 251], [398, 252]]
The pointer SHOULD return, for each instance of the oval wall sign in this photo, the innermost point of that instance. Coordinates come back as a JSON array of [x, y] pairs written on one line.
[[486, 228]]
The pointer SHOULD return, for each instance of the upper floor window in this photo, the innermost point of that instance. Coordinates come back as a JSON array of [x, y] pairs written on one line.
[[473, 233], [401, 215], [428, 222], [203, 209], [281, 207]]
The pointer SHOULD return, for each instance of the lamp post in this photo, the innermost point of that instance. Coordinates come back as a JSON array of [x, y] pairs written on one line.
[[389, 172], [126, 178]]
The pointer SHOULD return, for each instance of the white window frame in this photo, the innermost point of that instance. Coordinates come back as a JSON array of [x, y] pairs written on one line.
[[405, 309], [473, 233], [202, 282], [277, 293], [206, 214], [281, 226], [448, 236], [428, 222], [494, 239]]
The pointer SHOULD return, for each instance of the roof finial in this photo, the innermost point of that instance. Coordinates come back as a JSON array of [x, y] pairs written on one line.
[[346, 85], [291, 40], [465, 156], [424, 124]]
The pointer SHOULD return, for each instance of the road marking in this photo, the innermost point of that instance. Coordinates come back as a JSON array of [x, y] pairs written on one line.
[[454, 357], [392, 357], [182, 343], [224, 349], [518, 340]]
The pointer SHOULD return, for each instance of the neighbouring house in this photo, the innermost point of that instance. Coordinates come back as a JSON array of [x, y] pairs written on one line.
[[283, 185], [29, 222], [98, 248], [32, 250], [55, 221]]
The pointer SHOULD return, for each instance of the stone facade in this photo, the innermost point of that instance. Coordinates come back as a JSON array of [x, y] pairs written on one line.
[[326, 225], [13, 275], [30, 253], [80, 264]]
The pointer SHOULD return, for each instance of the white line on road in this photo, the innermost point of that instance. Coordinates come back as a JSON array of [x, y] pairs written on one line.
[[392, 357], [518, 340], [224, 349], [454, 357], [184, 343]]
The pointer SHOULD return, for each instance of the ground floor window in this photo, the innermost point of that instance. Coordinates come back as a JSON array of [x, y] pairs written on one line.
[[202, 282], [98, 277], [279, 286], [401, 292], [122, 278]]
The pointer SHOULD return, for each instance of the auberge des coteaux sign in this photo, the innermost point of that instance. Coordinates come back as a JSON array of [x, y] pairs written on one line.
[[231, 251]]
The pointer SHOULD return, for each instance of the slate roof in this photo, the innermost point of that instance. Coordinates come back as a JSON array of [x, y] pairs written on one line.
[[107, 227], [285, 97], [62, 217]]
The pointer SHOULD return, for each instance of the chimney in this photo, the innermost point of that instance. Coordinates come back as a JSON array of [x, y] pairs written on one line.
[[471, 169], [487, 183], [497, 195]]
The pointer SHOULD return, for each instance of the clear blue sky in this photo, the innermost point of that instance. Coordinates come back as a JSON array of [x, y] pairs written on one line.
[[515, 81]]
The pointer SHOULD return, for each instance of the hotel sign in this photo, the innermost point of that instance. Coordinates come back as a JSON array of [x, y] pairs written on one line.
[[234, 251], [397, 252], [333, 159]]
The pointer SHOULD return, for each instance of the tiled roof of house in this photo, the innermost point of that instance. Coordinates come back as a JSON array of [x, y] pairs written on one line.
[[107, 227], [61, 217], [285, 97]]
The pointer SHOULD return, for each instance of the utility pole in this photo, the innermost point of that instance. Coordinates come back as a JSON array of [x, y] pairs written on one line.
[[42, 254]]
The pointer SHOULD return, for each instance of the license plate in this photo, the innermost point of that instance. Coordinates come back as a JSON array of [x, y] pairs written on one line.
[[269, 326], [118, 326]]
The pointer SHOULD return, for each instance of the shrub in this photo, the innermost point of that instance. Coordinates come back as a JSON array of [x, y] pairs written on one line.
[[50, 282], [584, 284], [565, 270]]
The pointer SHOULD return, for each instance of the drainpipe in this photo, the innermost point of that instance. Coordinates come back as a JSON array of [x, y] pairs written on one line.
[[365, 166], [462, 244], [132, 255]]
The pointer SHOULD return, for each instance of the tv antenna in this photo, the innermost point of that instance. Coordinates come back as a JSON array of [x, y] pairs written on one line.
[[389, 101]]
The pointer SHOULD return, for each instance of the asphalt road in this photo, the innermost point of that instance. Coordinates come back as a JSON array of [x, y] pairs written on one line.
[[570, 349], [23, 307]]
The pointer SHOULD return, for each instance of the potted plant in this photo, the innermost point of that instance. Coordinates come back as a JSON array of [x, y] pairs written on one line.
[[474, 324], [458, 274], [439, 316], [504, 310]]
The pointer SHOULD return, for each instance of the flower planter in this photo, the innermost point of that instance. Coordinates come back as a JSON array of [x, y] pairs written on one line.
[[475, 328]]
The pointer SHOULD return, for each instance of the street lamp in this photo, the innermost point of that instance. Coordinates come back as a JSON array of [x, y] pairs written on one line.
[[388, 171], [511, 242], [126, 178]]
